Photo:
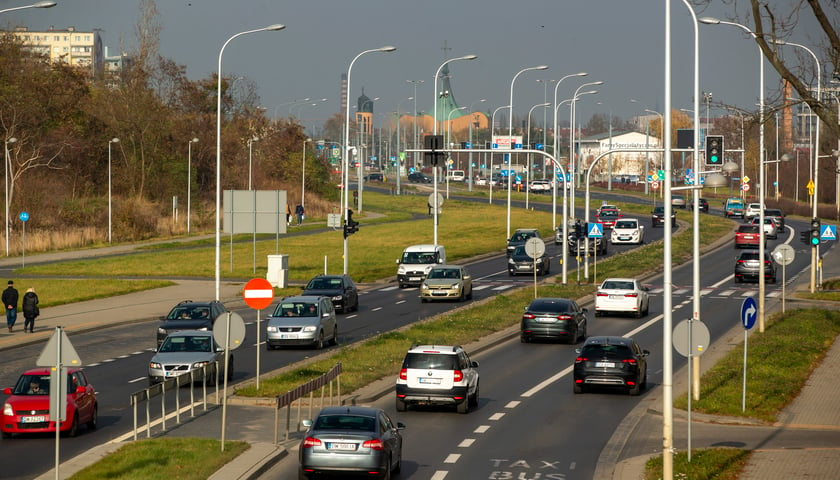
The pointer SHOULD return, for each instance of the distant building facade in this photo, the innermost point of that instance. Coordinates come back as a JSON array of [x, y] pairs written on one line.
[[79, 49]]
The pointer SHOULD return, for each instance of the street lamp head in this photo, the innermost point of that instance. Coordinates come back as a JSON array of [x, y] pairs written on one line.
[[709, 20], [777, 41], [786, 157], [194, 140], [275, 27], [11, 140], [468, 57], [387, 48], [44, 5], [730, 167], [580, 74], [114, 140], [589, 92], [541, 67]]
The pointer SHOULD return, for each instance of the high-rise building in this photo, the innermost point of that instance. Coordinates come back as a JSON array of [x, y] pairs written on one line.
[[80, 49]]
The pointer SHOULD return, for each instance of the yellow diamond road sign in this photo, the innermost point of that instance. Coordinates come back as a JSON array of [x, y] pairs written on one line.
[[746, 179]]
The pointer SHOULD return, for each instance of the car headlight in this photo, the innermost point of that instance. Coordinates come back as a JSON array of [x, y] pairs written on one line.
[[270, 329], [310, 328], [424, 286], [510, 261], [8, 410], [155, 365], [162, 331], [337, 297], [198, 365], [540, 260]]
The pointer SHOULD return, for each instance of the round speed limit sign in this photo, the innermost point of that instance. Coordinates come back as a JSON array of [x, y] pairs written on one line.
[[745, 187]]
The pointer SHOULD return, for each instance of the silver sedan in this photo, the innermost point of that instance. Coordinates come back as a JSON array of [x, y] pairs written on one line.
[[622, 295]]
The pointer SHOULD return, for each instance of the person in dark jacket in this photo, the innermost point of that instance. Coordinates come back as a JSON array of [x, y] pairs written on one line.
[[10, 300], [299, 212], [30, 310]]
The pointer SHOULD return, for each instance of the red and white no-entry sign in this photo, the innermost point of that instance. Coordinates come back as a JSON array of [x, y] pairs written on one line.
[[258, 293]]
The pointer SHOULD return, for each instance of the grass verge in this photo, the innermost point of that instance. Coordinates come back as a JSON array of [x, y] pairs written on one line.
[[170, 458], [708, 464]]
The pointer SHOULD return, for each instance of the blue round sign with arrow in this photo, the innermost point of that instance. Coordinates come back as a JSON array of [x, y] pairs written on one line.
[[749, 312], [24, 216]]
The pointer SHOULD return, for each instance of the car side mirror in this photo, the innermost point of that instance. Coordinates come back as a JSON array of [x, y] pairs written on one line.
[[577, 350], [80, 389], [584, 309], [400, 426], [474, 364], [398, 261], [7, 391], [645, 353], [306, 423]]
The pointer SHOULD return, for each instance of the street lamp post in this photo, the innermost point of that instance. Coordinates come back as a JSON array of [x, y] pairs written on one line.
[[436, 207], [274, 27], [250, 161], [510, 138], [545, 118], [113, 140], [449, 143], [6, 169], [34, 5], [303, 174], [492, 125], [814, 250], [414, 118], [346, 150], [189, 179], [399, 160], [530, 163], [572, 164], [470, 157]]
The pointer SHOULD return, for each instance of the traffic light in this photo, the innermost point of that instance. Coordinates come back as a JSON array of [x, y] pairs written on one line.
[[578, 229], [714, 150], [351, 226], [815, 232]]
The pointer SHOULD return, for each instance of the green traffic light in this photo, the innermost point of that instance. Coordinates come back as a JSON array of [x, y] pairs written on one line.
[[815, 241]]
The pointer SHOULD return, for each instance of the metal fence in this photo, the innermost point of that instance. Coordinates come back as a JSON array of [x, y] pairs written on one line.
[[295, 398], [196, 379]]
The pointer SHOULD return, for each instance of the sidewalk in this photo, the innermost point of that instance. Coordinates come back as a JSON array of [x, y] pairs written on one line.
[[815, 412]]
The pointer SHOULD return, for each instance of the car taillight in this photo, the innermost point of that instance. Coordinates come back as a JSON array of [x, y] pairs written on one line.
[[310, 442], [459, 375], [528, 316], [580, 359], [404, 374], [631, 361], [374, 444], [740, 261], [767, 262], [601, 294], [631, 295], [564, 317]]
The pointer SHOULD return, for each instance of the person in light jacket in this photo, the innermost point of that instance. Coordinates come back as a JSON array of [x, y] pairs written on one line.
[[30, 310]]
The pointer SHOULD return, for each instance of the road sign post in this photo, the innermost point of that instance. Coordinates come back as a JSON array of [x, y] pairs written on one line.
[[783, 255], [535, 248], [258, 294], [749, 312]]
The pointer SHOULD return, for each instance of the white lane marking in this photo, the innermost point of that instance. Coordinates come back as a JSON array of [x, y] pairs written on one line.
[[723, 280], [108, 360], [137, 353], [680, 291], [481, 287], [138, 379], [125, 356], [774, 294], [439, 475], [466, 443], [388, 289], [503, 287], [726, 293], [375, 309], [536, 388], [748, 294], [482, 429], [93, 365], [401, 301], [513, 404], [452, 458], [496, 416], [352, 316]]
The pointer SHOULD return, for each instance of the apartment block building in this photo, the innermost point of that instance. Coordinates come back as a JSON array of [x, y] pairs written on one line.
[[80, 49]]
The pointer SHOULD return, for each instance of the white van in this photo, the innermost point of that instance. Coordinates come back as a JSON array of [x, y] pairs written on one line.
[[416, 261], [456, 176]]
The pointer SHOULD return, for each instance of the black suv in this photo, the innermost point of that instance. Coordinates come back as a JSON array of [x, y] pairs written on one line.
[[519, 237], [520, 262], [340, 288], [657, 217], [418, 177], [611, 361], [189, 315], [584, 244], [375, 177], [748, 267], [437, 375]]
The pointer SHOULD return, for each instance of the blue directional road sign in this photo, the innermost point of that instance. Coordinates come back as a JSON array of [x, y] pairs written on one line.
[[749, 312], [596, 230], [540, 146], [518, 146], [24, 216], [829, 232]]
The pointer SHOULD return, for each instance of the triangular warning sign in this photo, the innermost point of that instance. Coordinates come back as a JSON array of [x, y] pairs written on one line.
[[828, 233]]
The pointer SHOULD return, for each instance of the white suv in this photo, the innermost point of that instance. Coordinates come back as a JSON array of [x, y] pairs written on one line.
[[437, 375], [752, 210]]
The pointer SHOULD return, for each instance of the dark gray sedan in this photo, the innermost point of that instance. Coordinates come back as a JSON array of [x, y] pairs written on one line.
[[351, 440], [552, 319], [340, 288]]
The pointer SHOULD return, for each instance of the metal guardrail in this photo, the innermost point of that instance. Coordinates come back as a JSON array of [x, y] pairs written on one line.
[[174, 384], [289, 398]]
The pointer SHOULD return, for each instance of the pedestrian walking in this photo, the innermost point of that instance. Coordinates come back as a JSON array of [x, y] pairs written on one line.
[[299, 213], [288, 214], [10, 300], [30, 310]]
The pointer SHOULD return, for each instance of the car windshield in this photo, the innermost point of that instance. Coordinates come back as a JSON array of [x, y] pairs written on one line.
[[296, 309], [189, 313], [606, 351], [190, 343], [608, 213], [520, 237], [39, 384], [419, 258], [625, 224], [345, 422], [659, 210], [426, 361], [324, 284], [617, 285], [444, 273], [748, 229]]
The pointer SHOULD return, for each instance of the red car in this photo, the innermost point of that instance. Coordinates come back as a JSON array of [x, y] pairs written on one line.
[[748, 235], [607, 217], [27, 409]]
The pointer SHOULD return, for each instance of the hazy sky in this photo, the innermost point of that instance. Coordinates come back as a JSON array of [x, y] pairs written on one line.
[[620, 42]]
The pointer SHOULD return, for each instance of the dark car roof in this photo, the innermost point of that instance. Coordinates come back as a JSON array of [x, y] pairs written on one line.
[[326, 282], [350, 410], [550, 305], [609, 340]]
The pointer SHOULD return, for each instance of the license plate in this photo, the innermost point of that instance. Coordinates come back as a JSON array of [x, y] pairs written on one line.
[[546, 320], [431, 381], [414, 279], [438, 292], [172, 374], [341, 446], [605, 364], [37, 419], [616, 297], [289, 336]]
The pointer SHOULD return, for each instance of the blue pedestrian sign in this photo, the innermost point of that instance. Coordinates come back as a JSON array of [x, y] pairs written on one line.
[[467, 145], [749, 312], [596, 230], [829, 232], [540, 146]]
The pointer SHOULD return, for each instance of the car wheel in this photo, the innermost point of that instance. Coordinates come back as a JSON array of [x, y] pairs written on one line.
[[334, 338], [461, 296], [470, 296], [422, 300], [577, 388], [523, 339], [464, 407], [301, 475], [92, 423], [639, 313], [230, 369], [573, 339], [400, 405], [398, 466], [6, 435], [387, 474], [74, 427], [585, 328], [474, 398], [319, 344], [636, 389], [402, 285]]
